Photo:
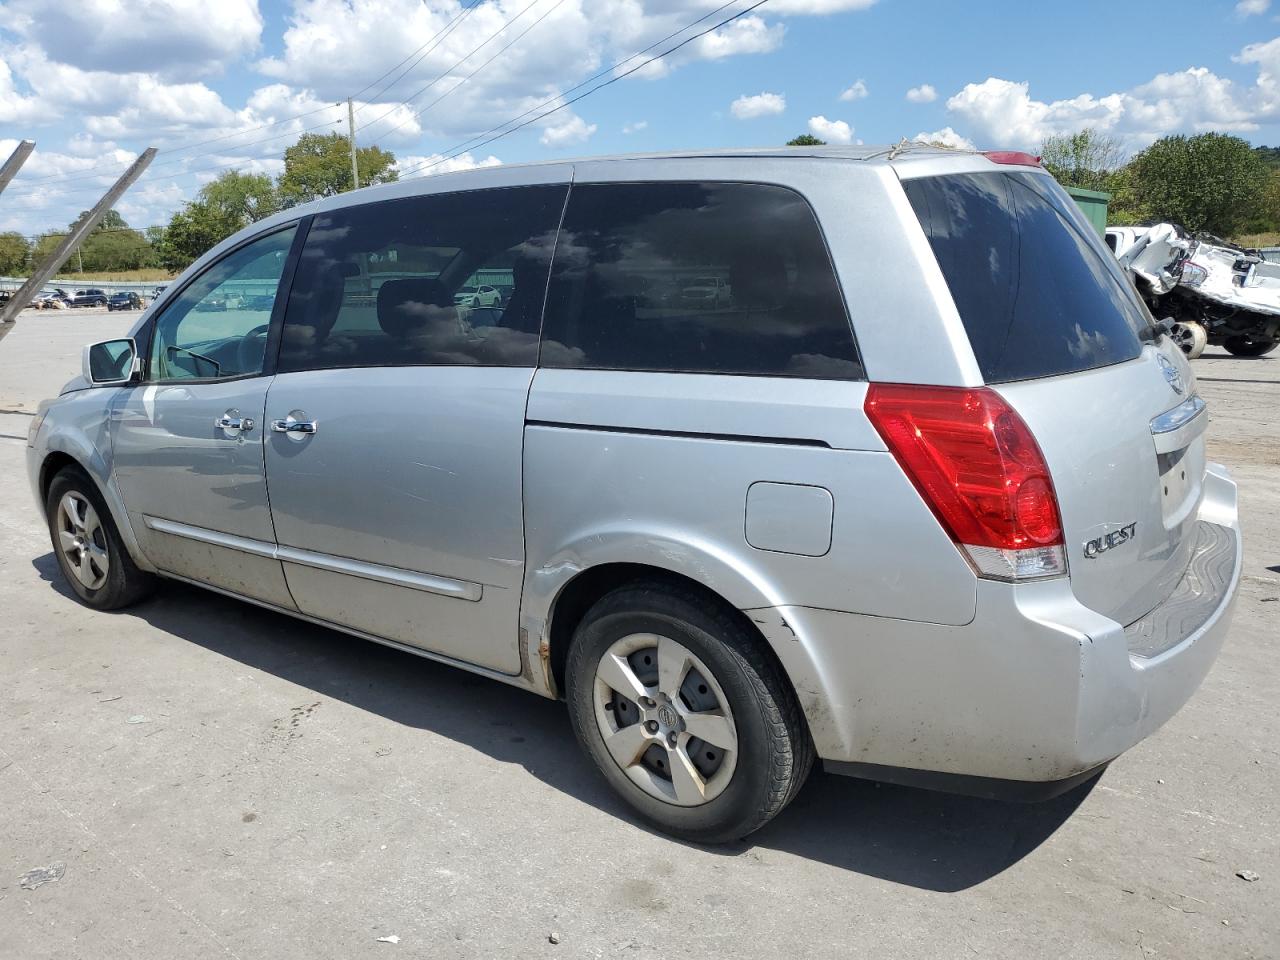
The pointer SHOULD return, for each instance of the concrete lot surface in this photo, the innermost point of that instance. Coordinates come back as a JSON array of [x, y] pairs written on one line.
[[219, 781]]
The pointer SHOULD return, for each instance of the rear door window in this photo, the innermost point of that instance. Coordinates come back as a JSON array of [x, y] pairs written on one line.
[[1034, 289], [454, 279], [728, 278]]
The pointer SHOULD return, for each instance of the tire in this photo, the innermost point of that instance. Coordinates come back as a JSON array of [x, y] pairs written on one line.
[[1191, 337], [725, 794], [121, 583], [1244, 347]]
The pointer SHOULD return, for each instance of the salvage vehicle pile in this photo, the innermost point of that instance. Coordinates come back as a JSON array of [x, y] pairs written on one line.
[[1211, 290]]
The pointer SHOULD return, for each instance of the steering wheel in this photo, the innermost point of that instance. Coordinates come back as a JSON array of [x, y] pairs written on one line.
[[252, 349]]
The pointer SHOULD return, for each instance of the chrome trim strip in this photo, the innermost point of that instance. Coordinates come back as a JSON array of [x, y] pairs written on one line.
[[514, 679], [444, 586], [1184, 412], [428, 583], [243, 544], [1177, 427]]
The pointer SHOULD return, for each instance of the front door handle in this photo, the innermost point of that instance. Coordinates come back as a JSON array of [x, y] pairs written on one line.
[[229, 421]]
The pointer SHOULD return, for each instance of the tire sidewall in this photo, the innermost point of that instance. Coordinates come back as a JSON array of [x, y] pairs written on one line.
[[745, 794]]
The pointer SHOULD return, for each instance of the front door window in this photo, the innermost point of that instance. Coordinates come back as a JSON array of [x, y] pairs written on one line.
[[216, 329]]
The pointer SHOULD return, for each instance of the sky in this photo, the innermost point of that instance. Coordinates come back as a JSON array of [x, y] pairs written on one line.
[[228, 84]]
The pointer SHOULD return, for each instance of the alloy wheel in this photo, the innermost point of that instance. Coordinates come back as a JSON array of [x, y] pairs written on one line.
[[82, 540], [665, 720]]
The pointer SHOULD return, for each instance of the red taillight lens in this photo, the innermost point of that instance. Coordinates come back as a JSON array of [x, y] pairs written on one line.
[[980, 470], [1015, 157]]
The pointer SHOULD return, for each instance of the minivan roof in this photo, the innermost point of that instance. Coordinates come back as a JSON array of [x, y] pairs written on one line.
[[900, 154], [870, 153]]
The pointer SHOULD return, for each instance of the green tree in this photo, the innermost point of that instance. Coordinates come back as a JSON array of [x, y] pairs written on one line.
[[1211, 182], [1086, 158], [14, 251], [44, 246], [222, 207], [319, 165], [806, 140]]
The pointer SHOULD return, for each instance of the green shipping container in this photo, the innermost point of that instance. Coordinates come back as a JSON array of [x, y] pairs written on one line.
[[1094, 205]]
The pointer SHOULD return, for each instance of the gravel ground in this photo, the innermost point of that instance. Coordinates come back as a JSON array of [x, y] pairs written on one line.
[[219, 780]]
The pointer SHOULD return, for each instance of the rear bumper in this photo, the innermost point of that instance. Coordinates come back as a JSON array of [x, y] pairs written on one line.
[[1037, 688]]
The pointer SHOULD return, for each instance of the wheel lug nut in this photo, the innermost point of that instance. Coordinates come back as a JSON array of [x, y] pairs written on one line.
[[651, 726], [671, 739]]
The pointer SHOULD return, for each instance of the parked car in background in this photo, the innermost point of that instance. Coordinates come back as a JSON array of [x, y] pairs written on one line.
[[51, 300], [125, 300], [737, 542], [482, 295], [90, 298], [709, 292]]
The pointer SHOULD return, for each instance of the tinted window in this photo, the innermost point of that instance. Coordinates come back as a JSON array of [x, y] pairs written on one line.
[[1037, 294], [451, 279], [695, 277], [217, 327]]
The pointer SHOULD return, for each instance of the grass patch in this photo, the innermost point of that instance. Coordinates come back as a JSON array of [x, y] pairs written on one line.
[[119, 276], [1259, 240]]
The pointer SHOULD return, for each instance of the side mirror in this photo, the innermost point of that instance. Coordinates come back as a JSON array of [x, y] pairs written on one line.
[[111, 363]]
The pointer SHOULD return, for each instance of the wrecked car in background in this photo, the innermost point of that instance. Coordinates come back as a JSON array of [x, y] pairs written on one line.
[[1215, 292]]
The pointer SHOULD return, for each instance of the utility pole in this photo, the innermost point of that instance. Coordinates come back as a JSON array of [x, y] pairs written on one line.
[[351, 127], [84, 226], [15, 162]]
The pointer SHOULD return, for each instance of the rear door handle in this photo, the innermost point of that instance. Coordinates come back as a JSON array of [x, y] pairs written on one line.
[[295, 426]]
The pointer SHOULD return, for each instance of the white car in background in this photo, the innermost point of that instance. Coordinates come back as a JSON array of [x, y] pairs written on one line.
[[710, 292], [478, 296]]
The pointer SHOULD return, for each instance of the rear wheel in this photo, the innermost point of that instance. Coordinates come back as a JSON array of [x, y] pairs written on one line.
[[684, 713], [1191, 337], [1244, 347], [90, 553]]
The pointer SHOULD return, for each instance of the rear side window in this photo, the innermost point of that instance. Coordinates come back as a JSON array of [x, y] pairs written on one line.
[[1036, 294], [450, 279], [696, 278]]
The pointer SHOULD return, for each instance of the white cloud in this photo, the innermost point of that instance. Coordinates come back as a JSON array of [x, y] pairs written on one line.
[[833, 131], [1195, 100], [571, 129], [747, 35], [635, 127], [925, 93], [760, 105], [1251, 8], [442, 163], [857, 91], [184, 37], [945, 137]]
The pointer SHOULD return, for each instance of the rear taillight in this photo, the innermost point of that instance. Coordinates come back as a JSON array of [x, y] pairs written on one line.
[[980, 470]]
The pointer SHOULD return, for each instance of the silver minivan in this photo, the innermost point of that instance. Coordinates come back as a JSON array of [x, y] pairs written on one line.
[[920, 493]]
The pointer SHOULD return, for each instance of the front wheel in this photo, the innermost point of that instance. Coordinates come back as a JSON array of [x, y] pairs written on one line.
[[90, 553], [1244, 347], [1191, 337], [685, 714]]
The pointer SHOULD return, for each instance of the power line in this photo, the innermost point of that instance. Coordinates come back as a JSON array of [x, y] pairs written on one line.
[[433, 42], [607, 70], [582, 96], [421, 90], [514, 40]]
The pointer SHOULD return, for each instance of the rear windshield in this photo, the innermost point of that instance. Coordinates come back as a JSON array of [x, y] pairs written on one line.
[[1034, 289]]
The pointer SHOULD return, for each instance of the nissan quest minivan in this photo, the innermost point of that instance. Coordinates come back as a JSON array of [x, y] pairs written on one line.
[[920, 493]]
